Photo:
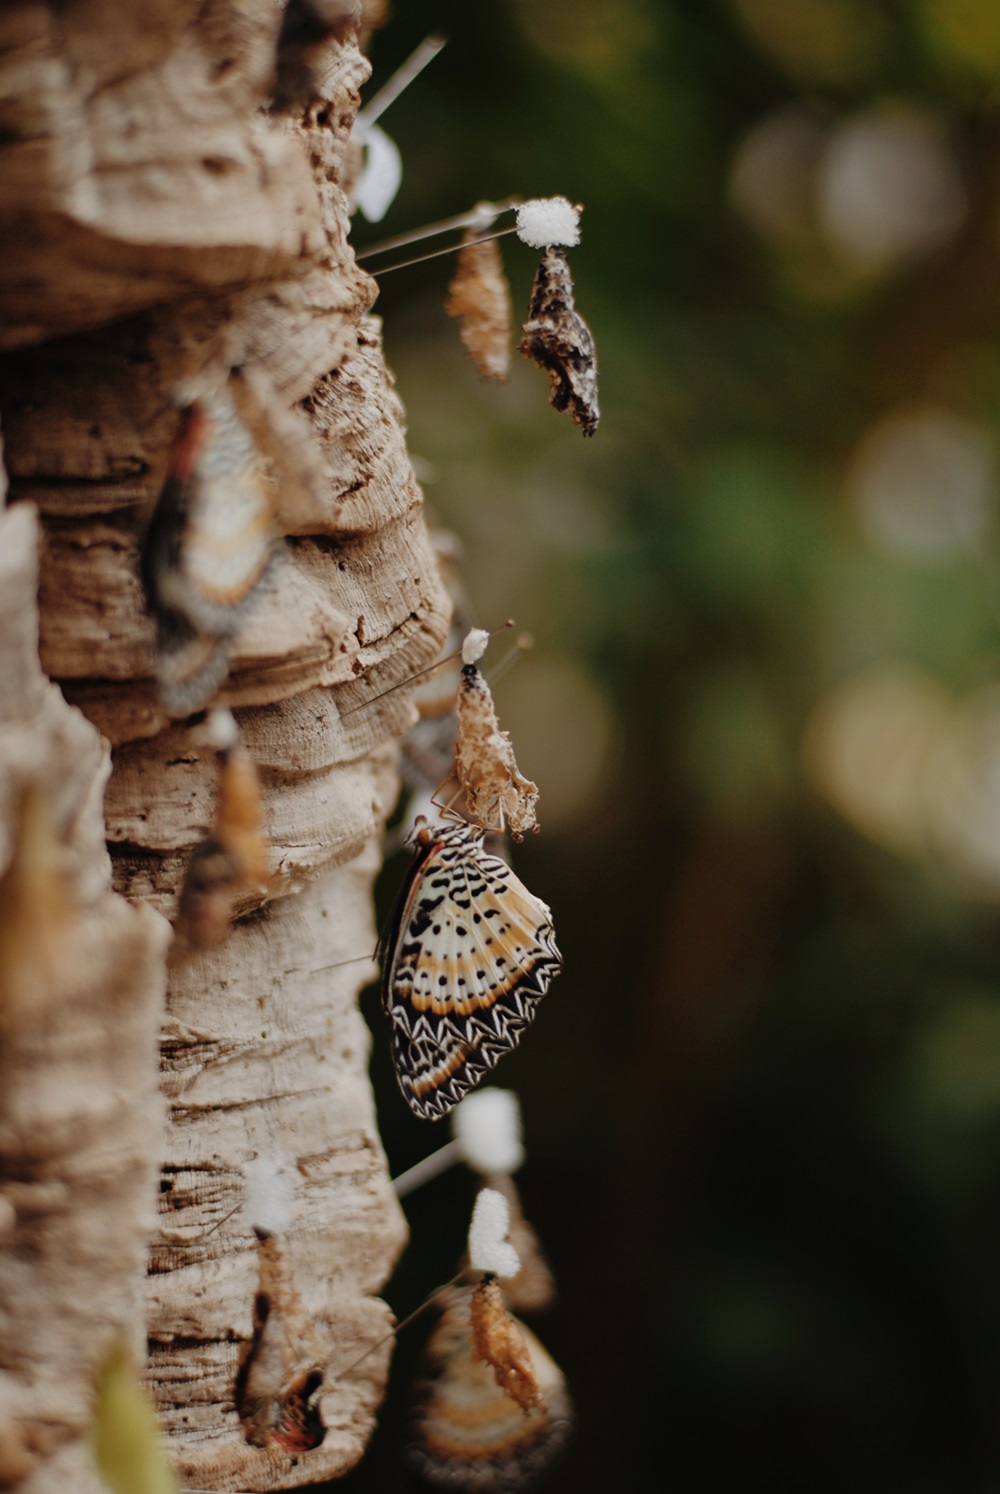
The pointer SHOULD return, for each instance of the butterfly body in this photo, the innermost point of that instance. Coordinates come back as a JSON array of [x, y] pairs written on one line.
[[471, 953]]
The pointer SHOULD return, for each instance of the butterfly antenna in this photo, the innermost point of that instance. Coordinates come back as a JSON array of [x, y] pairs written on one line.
[[482, 216], [420, 674], [404, 1323], [175, 1234], [522, 644], [418, 259], [410, 679], [337, 964]]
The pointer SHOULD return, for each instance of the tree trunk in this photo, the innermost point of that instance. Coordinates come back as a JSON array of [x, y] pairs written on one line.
[[161, 227]]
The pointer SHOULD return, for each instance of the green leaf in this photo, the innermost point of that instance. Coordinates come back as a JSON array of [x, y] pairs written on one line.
[[125, 1434]]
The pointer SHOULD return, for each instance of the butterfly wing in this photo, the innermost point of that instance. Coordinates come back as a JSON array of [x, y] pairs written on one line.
[[472, 954], [466, 1433], [190, 666], [209, 539]]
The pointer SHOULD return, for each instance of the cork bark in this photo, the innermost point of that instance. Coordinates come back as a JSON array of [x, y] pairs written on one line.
[[80, 1117], [162, 224]]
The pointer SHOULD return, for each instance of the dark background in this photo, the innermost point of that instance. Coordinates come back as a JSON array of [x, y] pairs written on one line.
[[762, 1104]]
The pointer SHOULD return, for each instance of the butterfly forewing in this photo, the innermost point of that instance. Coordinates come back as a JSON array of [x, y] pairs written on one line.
[[470, 955], [226, 531], [208, 545]]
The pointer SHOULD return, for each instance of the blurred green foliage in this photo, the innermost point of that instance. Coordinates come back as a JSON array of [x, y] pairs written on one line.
[[125, 1434], [763, 1102]]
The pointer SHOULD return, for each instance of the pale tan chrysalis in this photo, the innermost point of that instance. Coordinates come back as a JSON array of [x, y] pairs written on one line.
[[479, 296], [233, 859], [497, 1340], [556, 337], [496, 793], [36, 915]]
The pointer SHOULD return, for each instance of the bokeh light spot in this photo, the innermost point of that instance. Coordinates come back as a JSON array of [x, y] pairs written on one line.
[[924, 483]]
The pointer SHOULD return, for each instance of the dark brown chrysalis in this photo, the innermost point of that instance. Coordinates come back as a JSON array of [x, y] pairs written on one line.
[[278, 1384], [556, 337]]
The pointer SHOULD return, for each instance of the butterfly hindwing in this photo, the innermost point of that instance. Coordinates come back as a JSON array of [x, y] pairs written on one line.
[[465, 1432], [470, 955]]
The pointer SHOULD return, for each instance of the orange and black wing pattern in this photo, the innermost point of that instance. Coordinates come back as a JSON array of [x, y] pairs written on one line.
[[470, 954], [467, 1433]]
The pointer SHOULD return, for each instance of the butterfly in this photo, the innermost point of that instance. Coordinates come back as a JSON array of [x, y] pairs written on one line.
[[468, 955], [208, 545], [466, 1432]]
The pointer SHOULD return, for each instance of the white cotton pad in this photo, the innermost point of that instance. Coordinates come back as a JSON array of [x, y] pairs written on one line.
[[269, 1187], [548, 220], [487, 1127], [489, 1248], [475, 645]]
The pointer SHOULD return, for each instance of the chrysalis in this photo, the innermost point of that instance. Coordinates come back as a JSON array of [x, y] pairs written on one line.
[[231, 861], [498, 1340], [480, 297], [280, 1378], [496, 793], [557, 338]]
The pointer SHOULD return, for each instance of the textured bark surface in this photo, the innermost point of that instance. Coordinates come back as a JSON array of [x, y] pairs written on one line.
[[143, 180], [80, 1117]]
